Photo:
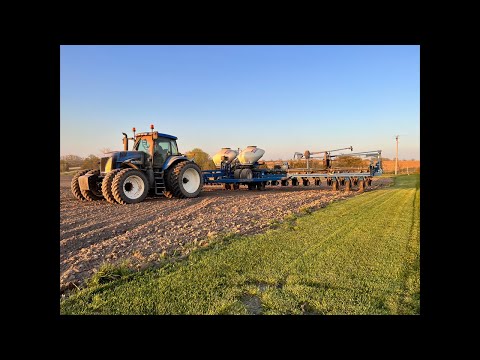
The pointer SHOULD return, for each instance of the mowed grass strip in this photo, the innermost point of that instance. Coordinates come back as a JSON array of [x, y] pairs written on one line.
[[358, 256]]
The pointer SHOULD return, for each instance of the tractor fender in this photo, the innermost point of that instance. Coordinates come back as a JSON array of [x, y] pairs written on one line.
[[171, 160]]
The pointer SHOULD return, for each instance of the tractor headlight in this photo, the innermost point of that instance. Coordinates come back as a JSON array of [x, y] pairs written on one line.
[[108, 165]]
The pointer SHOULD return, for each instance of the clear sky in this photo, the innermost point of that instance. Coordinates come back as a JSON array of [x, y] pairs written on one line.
[[281, 98]]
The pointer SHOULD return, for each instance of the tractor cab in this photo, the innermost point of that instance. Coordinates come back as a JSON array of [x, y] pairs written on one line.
[[157, 146]]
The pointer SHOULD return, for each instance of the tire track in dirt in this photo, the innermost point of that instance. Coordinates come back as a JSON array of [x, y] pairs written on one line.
[[117, 223], [88, 254]]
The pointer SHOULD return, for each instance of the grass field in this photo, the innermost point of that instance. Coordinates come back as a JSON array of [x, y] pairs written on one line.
[[358, 256]]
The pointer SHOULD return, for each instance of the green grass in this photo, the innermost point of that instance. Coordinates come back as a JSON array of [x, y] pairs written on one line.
[[357, 256], [108, 273]]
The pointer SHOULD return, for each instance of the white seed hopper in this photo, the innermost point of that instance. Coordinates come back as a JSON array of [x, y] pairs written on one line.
[[250, 155], [225, 152]]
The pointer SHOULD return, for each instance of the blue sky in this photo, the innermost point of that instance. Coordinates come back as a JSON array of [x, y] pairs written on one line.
[[281, 98]]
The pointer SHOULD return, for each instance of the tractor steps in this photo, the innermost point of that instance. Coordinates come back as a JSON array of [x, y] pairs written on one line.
[[159, 182]]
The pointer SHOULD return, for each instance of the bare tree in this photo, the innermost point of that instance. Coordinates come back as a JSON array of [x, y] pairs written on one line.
[[72, 160], [105, 150], [91, 162]]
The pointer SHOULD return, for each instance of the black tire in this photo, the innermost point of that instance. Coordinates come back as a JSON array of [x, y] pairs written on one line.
[[95, 194], [251, 186], [236, 186], [236, 173], [177, 177], [75, 186], [107, 186], [227, 186], [246, 174], [261, 186], [306, 182], [120, 189]]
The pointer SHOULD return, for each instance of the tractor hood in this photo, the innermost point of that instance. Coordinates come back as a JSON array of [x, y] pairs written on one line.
[[122, 156], [115, 159]]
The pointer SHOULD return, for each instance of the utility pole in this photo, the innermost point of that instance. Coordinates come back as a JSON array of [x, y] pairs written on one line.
[[396, 157]]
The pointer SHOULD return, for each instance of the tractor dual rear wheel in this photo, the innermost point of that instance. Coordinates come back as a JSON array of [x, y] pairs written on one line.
[[184, 180], [129, 186]]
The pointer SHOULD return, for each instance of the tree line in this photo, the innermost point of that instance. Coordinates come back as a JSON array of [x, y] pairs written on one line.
[[74, 161], [204, 160]]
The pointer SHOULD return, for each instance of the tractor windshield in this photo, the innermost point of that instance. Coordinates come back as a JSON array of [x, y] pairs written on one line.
[[166, 146], [144, 145]]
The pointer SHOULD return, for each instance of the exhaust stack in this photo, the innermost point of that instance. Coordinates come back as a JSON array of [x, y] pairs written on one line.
[[125, 142]]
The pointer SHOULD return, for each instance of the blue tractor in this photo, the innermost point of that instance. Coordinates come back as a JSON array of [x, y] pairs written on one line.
[[154, 166]]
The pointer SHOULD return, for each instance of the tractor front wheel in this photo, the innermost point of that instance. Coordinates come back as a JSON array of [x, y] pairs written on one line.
[[130, 186], [107, 186]]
